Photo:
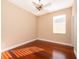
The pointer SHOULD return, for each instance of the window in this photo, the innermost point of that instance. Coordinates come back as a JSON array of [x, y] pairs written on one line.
[[59, 24]]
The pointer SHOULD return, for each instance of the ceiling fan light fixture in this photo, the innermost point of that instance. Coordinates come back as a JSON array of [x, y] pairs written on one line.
[[40, 5]]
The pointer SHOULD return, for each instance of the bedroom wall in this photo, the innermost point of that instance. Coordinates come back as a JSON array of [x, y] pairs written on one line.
[[74, 30], [45, 27], [18, 25]]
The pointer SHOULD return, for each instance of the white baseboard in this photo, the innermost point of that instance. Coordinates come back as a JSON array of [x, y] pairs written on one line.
[[75, 52], [55, 42], [18, 45], [32, 41]]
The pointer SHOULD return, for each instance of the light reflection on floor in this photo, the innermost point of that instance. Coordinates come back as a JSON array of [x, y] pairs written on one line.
[[58, 55]]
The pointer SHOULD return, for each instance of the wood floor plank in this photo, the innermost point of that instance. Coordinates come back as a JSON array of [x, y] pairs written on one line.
[[45, 50]]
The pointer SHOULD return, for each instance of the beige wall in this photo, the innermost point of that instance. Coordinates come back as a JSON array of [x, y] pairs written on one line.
[[18, 25], [74, 30], [45, 27]]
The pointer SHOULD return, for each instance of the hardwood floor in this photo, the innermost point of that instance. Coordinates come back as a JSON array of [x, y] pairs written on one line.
[[41, 50]]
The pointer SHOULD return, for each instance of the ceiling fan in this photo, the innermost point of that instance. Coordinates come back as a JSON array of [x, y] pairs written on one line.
[[40, 6]]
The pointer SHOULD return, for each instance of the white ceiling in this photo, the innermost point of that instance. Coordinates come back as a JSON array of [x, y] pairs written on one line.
[[56, 5]]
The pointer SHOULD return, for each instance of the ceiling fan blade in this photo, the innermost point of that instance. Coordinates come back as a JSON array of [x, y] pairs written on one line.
[[48, 4], [37, 5]]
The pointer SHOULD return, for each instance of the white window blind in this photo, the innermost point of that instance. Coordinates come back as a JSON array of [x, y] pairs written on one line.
[[59, 24]]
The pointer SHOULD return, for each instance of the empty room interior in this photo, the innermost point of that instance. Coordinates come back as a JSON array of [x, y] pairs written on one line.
[[38, 29]]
